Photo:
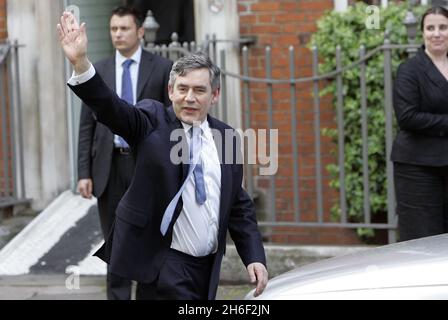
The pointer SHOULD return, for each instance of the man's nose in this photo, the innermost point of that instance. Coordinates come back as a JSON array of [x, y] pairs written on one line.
[[190, 96]]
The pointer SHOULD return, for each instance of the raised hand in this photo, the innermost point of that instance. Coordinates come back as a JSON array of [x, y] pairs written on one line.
[[73, 40]]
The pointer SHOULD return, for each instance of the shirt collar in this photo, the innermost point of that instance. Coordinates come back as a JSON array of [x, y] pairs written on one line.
[[119, 58], [204, 126]]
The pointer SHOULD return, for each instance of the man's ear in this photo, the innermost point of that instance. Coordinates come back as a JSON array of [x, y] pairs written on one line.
[[170, 91], [141, 32], [215, 96]]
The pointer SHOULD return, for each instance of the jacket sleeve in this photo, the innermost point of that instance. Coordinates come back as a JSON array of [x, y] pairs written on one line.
[[87, 125], [121, 118], [407, 99], [243, 226]]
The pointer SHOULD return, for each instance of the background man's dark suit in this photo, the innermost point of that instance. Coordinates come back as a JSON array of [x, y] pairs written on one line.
[[138, 248], [96, 145]]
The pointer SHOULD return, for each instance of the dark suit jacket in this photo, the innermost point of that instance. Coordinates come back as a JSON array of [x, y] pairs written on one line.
[[137, 248], [421, 109], [95, 145]]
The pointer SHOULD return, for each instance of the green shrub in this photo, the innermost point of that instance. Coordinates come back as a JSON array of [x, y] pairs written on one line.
[[348, 30]]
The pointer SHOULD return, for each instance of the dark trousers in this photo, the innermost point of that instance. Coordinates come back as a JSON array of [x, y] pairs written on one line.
[[122, 169], [422, 200], [182, 277]]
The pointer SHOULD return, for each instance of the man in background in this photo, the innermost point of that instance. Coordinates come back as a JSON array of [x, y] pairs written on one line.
[[105, 161]]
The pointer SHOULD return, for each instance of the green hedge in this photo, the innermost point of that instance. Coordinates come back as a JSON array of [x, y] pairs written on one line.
[[348, 30]]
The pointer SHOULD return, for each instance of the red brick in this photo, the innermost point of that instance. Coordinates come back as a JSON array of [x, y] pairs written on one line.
[[289, 6], [290, 28], [287, 40], [268, 28], [265, 6], [248, 19], [2, 8], [315, 5], [3, 29], [243, 8], [290, 17], [308, 27], [265, 18]]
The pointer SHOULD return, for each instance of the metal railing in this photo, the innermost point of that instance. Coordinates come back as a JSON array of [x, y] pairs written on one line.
[[174, 50], [12, 178], [323, 219]]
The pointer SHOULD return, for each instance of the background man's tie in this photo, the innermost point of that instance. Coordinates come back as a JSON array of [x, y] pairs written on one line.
[[127, 93], [196, 169]]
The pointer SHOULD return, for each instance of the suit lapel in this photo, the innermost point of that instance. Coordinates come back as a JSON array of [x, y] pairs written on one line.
[[109, 74], [173, 124], [226, 172], [431, 70], [226, 191], [144, 72]]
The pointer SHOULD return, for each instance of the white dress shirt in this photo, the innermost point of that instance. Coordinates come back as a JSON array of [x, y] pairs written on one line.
[[133, 69], [83, 77], [119, 59], [86, 76], [196, 230]]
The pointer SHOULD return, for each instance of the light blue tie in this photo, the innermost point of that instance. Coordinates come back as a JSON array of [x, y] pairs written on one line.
[[127, 93], [196, 168], [198, 174]]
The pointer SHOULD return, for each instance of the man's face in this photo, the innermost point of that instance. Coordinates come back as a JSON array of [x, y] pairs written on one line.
[[125, 35], [192, 95]]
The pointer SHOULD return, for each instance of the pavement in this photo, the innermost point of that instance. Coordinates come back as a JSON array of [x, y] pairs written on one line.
[[48, 256], [72, 287]]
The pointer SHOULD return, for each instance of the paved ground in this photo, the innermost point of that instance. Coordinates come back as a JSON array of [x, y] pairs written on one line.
[[12, 226], [37, 256], [65, 287], [47, 278]]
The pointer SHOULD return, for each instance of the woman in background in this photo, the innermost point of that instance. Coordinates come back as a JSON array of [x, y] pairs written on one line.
[[420, 150]]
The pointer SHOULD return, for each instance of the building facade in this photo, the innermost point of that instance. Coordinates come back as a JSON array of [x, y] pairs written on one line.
[[51, 112]]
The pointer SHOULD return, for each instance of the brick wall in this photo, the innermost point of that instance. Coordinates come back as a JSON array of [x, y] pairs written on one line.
[[280, 24], [3, 33]]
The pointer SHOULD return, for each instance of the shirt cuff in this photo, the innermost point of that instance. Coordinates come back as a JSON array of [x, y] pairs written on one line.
[[83, 77]]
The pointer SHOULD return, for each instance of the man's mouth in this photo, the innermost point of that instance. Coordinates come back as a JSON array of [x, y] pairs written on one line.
[[190, 109]]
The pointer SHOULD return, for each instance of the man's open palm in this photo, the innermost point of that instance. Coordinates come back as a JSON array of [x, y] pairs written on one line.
[[73, 38]]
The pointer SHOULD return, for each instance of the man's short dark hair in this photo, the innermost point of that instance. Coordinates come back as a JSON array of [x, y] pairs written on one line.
[[195, 61], [122, 11]]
